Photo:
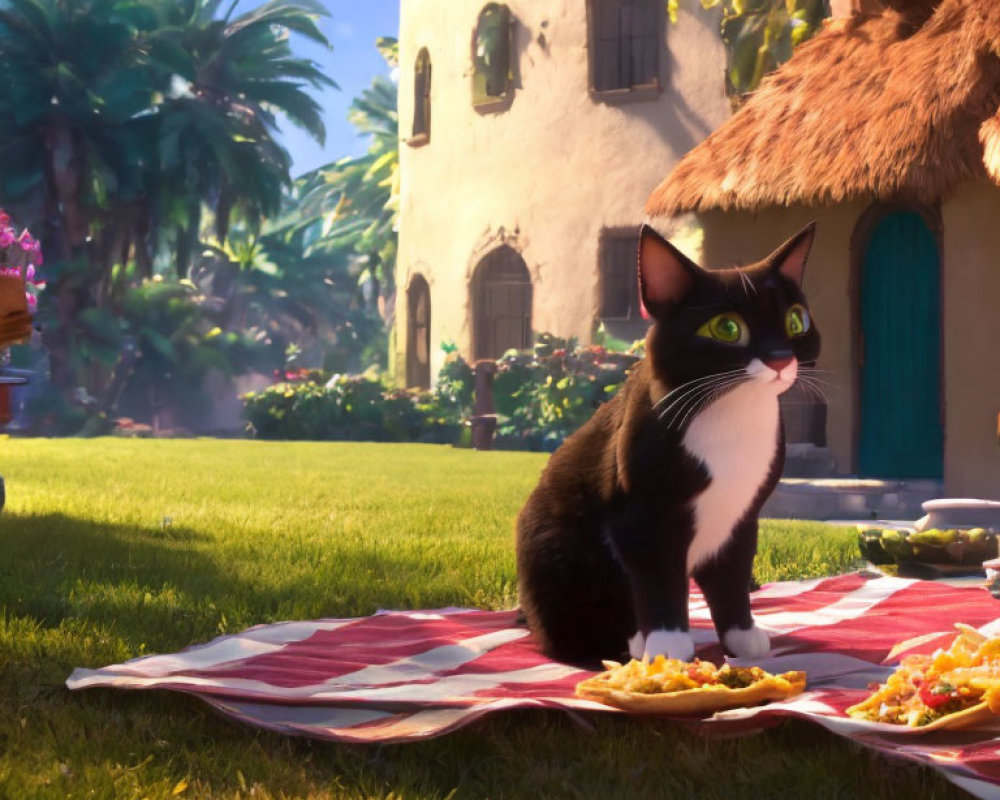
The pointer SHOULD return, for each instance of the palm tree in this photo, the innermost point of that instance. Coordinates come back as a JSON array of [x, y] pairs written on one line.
[[123, 117], [339, 225], [301, 299], [219, 122], [356, 200], [76, 137]]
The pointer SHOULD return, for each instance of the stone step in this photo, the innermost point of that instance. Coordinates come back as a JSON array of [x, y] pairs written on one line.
[[850, 498]]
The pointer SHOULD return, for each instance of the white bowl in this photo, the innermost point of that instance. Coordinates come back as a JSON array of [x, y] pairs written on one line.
[[960, 513]]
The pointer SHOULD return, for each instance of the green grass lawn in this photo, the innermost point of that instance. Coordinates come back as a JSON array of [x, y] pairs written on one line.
[[110, 549]]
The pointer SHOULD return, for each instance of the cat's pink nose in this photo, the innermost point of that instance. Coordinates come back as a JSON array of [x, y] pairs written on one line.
[[778, 364]]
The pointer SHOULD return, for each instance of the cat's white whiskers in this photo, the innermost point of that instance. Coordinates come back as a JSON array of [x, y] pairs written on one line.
[[685, 389], [747, 283], [677, 420], [820, 381], [696, 403], [810, 370], [694, 382], [814, 390], [709, 398], [706, 384], [681, 401], [712, 390]]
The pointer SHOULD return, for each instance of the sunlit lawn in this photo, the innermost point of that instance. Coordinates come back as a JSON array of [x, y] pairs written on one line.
[[110, 549]]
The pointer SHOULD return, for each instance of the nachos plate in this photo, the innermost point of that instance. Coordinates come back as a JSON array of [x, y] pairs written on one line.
[[954, 688], [670, 686]]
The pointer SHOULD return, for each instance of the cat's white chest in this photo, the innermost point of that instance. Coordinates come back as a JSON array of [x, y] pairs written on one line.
[[736, 437]]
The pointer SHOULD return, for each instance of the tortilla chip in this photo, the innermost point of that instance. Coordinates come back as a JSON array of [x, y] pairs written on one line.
[[967, 718], [702, 700], [968, 662]]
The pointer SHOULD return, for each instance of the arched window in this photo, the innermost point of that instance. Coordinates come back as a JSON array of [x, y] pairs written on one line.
[[422, 96], [491, 46], [501, 304], [418, 333]]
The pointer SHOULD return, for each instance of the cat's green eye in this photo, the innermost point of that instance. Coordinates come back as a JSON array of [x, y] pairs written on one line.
[[729, 328], [796, 320]]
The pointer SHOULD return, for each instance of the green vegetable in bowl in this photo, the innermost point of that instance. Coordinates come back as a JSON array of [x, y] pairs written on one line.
[[896, 545], [870, 545], [935, 536], [981, 535]]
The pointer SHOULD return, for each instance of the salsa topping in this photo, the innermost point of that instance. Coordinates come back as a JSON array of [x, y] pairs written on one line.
[[925, 688]]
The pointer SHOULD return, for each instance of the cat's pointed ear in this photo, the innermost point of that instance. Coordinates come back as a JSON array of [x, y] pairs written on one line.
[[790, 258], [665, 273]]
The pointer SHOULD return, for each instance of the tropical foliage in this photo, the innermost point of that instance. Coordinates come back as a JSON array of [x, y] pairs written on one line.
[[543, 396], [760, 34], [540, 398], [351, 408], [136, 131], [175, 342], [356, 199]]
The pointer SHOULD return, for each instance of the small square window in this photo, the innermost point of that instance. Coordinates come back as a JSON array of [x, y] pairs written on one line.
[[625, 40]]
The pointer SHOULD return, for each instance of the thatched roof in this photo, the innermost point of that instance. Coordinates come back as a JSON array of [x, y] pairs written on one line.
[[889, 107]]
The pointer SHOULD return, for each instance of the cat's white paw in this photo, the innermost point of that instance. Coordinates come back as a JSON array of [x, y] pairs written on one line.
[[672, 644], [751, 643], [636, 645]]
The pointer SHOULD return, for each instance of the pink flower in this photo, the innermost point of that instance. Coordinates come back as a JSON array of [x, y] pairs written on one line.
[[4, 217], [26, 240], [7, 237]]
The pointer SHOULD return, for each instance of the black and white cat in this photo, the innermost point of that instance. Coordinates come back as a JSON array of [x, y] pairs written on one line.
[[666, 480]]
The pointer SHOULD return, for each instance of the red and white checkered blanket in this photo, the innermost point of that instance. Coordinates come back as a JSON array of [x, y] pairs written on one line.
[[407, 675]]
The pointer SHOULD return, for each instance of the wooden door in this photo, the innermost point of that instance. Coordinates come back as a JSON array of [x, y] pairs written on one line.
[[901, 431], [501, 304]]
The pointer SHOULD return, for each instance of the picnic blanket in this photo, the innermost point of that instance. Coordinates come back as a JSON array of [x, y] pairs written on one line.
[[401, 676]]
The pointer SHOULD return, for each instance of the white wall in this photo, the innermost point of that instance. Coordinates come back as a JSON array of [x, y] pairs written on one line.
[[545, 175]]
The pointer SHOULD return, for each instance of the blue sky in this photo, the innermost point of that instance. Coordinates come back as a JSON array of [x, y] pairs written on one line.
[[352, 28]]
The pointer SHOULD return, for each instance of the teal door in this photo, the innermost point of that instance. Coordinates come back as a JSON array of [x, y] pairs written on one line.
[[901, 432]]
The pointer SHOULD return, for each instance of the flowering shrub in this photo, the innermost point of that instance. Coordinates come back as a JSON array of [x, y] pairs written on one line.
[[454, 390], [349, 407], [300, 374], [28, 251], [544, 396], [540, 398]]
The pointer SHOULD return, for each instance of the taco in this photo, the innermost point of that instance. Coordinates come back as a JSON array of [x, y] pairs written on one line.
[[667, 685], [954, 688]]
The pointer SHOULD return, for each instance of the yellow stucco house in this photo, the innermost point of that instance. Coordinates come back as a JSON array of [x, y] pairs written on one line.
[[885, 128], [531, 135]]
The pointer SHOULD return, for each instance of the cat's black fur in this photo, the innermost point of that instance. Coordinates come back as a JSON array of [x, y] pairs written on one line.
[[602, 543]]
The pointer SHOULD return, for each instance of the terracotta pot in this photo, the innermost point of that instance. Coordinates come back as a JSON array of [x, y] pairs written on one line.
[[15, 320]]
